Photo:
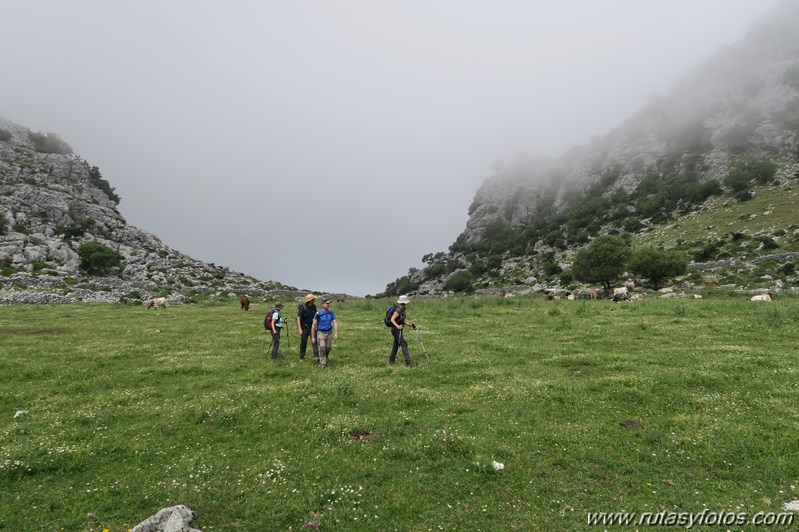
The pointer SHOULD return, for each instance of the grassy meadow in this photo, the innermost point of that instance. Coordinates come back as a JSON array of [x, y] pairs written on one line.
[[678, 405]]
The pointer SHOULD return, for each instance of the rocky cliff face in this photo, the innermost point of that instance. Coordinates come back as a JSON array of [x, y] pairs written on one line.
[[743, 102], [51, 203]]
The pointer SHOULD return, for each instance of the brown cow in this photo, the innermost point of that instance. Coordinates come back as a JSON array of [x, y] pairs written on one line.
[[245, 303]]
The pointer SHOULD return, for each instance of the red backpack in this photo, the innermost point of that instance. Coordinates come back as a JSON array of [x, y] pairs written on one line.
[[268, 319]]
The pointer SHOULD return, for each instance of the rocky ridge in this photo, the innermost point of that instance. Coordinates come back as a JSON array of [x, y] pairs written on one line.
[[51, 203]]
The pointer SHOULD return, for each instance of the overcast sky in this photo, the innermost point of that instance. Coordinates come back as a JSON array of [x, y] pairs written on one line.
[[329, 145]]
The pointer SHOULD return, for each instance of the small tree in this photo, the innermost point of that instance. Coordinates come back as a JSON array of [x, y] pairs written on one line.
[[96, 259], [601, 261], [97, 180], [657, 264]]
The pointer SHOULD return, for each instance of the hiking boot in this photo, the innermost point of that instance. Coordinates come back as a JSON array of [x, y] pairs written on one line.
[[412, 364]]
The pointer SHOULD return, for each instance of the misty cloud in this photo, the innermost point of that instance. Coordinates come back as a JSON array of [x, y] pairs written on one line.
[[330, 145]]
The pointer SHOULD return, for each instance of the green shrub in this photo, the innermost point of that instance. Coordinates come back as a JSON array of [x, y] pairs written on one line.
[[632, 224], [75, 230], [97, 180], [767, 243], [49, 143], [3, 224], [19, 228], [436, 270], [5, 135], [743, 173], [461, 281], [96, 258], [657, 264], [478, 268]]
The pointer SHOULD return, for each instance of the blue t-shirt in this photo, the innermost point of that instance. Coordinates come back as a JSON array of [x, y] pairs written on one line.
[[324, 320]]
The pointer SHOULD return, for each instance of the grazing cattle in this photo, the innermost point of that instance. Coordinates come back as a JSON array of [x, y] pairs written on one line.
[[245, 303], [157, 302], [668, 289], [571, 297], [761, 297], [697, 296], [549, 297], [590, 293]]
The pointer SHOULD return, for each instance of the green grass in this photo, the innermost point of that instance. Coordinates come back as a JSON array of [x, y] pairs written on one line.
[[656, 405], [771, 209]]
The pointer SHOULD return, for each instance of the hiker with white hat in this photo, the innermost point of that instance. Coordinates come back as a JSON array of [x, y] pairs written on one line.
[[305, 314], [397, 321]]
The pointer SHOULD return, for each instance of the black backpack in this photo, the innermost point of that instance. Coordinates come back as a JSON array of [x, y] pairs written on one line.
[[389, 313]]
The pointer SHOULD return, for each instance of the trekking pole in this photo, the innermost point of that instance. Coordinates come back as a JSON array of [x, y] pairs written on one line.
[[419, 337]]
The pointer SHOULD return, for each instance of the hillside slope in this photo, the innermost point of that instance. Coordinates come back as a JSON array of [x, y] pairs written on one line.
[[52, 202], [729, 126]]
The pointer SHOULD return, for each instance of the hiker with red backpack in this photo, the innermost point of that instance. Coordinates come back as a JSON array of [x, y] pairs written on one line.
[[395, 318], [273, 322]]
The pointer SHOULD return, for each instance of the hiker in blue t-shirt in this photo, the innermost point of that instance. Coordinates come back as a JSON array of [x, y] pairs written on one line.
[[305, 313], [323, 331], [397, 325]]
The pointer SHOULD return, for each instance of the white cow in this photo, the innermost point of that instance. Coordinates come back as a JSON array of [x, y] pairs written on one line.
[[761, 297], [157, 302], [617, 294]]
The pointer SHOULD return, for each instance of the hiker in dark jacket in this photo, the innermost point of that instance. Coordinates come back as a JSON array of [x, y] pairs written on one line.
[[397, 326], [305, 314]]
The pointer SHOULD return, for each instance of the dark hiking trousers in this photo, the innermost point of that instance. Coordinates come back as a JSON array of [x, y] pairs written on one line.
[[399, 340], [306, 333], [275, 344]]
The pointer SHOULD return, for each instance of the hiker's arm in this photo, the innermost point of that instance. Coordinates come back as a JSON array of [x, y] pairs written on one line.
[[299, 325], [335, 329], [313, 331], [394, 320]]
